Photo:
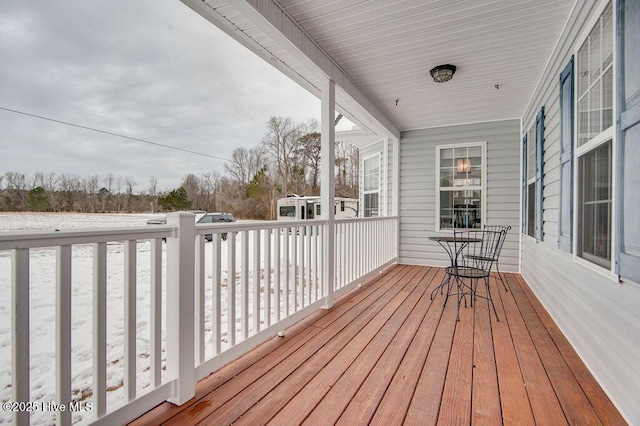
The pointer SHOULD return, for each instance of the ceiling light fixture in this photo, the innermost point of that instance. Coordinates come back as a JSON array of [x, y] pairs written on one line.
[[442, 73]]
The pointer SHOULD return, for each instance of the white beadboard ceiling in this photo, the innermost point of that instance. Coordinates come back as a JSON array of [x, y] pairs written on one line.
[[385, 49]]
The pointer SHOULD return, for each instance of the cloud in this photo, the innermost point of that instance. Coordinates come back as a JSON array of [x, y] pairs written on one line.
[[153, 70]]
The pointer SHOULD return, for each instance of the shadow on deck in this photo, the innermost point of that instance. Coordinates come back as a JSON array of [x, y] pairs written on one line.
[[386, 354]]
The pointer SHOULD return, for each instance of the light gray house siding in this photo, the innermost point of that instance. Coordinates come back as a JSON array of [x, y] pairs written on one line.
[[418, 187], [598, 315]]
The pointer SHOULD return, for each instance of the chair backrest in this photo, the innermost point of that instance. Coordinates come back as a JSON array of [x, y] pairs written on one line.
[[498, 228], [481, 251]]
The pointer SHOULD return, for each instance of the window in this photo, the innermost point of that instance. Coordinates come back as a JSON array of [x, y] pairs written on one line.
[[533, 151], [460, 186], [371, 188], [595, 142], [287, 211]]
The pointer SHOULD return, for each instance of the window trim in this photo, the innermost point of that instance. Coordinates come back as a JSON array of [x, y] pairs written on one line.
[[534, 137], [609, 134], [371, 191], [482, 188]]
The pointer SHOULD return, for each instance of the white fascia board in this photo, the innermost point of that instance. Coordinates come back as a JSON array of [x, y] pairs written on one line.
[[274, 22]]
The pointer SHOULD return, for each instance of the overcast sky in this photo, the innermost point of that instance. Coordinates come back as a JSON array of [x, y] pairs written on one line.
[[149, 69]]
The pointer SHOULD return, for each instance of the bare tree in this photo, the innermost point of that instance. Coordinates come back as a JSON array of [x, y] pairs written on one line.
[[310, 147], [153, 193], [245, 163], [281, 141]]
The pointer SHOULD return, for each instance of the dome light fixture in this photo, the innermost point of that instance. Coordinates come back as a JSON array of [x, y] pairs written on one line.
[[442, 73]]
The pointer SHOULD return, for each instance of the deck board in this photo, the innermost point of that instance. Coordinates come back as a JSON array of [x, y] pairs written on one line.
[[387, 354]]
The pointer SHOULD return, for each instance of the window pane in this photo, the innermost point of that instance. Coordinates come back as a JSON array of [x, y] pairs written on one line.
[[475, 152], [368, 184], [607, 36], [287, 211], [371, 174], [446, 209], [446, 177], [594, 53], [594, 110], [595, 206], [531, 209], [371, 205], [466, 209], [446, 158], [583, 121], [583, 66], [371, 165], [607, 99]]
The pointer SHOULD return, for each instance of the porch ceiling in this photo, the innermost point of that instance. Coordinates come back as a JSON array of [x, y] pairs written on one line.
[[385, 49]]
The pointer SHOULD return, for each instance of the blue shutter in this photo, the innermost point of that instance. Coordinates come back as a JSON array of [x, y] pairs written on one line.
[[539, 173], [628, 148], [565, 210], [524, 184]]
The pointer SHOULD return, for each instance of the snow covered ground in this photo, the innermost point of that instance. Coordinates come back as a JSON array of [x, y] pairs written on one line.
[[42, 308], [42, 305]]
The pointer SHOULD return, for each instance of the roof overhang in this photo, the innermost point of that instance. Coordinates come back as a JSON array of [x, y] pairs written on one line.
[[379, 53], [265, 28]]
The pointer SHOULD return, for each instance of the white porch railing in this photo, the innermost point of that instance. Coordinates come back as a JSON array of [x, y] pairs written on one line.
[[221, 299]]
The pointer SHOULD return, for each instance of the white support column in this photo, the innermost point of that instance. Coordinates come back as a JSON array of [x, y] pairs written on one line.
[[328, 192], [395, 210], [181, 306], [385, 178], [396, 178]]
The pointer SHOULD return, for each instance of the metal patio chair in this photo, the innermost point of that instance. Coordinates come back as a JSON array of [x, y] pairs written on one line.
[[499, 228], [474, 263]]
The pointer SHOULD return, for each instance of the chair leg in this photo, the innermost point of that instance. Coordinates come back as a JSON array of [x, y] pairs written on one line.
[[491, 299], [504, 284]]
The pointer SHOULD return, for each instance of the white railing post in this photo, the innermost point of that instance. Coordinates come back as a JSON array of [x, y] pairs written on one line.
[[328, 190], [180, 306], [20, 333]]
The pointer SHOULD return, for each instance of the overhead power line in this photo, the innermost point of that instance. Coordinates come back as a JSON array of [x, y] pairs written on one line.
[[112, 134]]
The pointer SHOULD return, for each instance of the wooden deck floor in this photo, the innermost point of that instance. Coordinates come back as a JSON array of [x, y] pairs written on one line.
[[386, 354]]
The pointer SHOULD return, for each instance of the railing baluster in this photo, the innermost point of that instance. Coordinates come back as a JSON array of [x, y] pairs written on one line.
[[323, 261], [20, 332], [267, 277], [63, 332], [244, 285], [308, 239], [231, 290], [256, 280], [216, 282], [301, 292], [314, 263], [277, 273], [100, 328], [285, 266], [199, 273], [294, 267], [130, 319], [156, 312]]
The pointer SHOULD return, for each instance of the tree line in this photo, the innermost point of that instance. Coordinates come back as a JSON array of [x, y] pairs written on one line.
[[286, 161]]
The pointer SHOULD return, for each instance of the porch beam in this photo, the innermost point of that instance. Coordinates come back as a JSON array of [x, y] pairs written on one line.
[[327, 187], [272, 20]]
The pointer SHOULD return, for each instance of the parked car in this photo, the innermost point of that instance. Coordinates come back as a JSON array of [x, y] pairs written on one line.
[[202, 217], [215, 218]]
